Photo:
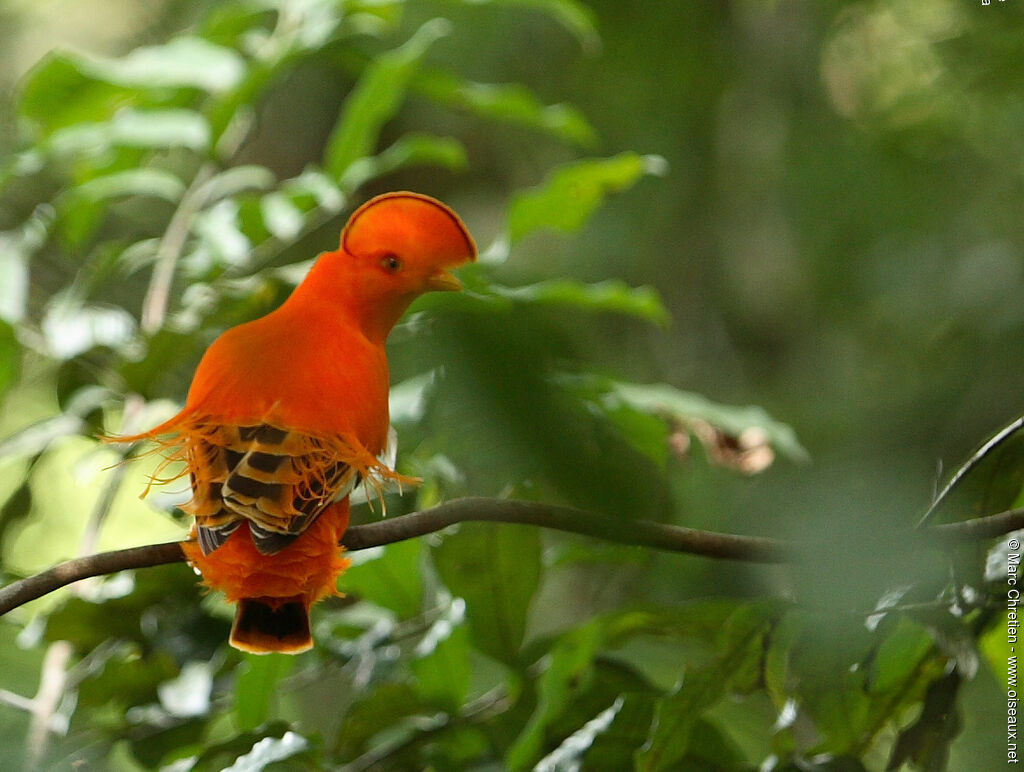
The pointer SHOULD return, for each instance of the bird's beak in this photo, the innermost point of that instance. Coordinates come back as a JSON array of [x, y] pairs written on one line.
[[443, 281]]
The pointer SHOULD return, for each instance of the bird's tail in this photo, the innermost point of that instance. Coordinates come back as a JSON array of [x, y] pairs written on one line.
[[263, 625]]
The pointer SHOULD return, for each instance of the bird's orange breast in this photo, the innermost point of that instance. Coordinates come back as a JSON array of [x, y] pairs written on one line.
[[298, 373]]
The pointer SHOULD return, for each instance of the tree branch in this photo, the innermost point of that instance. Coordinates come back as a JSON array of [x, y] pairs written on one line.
[[635, 533]]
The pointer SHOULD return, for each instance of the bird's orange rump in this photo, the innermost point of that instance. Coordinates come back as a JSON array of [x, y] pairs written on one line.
[[287, 413]]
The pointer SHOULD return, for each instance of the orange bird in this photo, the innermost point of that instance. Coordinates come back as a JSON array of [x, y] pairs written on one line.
[[288, 413]]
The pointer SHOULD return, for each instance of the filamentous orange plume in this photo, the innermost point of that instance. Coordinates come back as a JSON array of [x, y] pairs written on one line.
[[287, 413]]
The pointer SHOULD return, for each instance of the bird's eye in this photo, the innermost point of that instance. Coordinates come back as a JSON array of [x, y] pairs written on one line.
[[391, 263]]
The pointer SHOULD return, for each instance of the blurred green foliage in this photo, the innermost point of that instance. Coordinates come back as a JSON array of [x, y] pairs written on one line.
[[807, 211]]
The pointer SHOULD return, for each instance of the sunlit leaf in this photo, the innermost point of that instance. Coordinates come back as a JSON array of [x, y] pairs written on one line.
[[235, 180], [282, 218], [571, 194], [573, 748], [319, 187], [268, 751], [185, 62], [410, 150], [496, 570], [189, 693], [16, 250], [133, 128], [221, 240], [376, 99], [154, 183], [71, 328]]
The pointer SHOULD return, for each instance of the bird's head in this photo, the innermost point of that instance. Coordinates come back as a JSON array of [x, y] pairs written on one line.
[[406, 243], [394, 248]]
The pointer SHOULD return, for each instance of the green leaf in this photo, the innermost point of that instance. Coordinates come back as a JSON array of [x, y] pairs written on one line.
[[154, 183], [133, 128], [185, 62], [70, 328], [927, 741], [410, 150], [189, 693], [511, 103], [380, 710], [611, 296], [388, 576], [376, 99], [899, 657], [443, 668], [270, 750], [576, 17], [237, 179], [17, 246], [256, 685], [281, 217], [670, 402], [567, 665], [570, 195], [741, 651], [57, 93], [496, 570], [10, 356]]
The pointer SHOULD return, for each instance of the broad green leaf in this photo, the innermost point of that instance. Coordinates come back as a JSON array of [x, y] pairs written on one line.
[[319, 187], [511, 103], [17, 246], [442, 667], [221, 240], [70, 328], [576, 17], [899, 657], [670, 402], [133, 128], [376, 98], [237, 179], [268, 751], [153, 183], [567, 665], [10, 356], [281, 217], [572, 193], [374, 711], [128, 679], [740, 648], [189, 693], [389, 576], [572, 749], [256, 685], [496, 570], [611, 296], [57, 93], [185, 62], [37, 436], [409, 150]]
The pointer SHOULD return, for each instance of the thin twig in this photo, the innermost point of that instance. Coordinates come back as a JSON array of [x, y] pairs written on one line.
[[154, 305], [635, 533]]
